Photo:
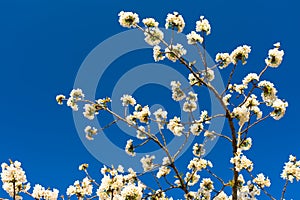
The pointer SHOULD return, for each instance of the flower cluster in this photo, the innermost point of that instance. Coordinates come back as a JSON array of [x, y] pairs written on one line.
[[262, 181], [193, 38], [40, 192], [291, 169], [203, 25], [275, 56], [14, 179], [223, 59], [174, 52], [153, 36], [80, 189], [175, 126], [117, 185], [240, 53], [240, 162], [164, 169], [175, 21], [75, 96], [128, 19]]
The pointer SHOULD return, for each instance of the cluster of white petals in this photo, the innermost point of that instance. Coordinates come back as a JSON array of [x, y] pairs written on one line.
[[175, 20], [153, 36], [226, 99], [240, 53], [90, 132], [262, 181], [198, 150], [203, 25], [164, 169], [279, 109], [291, 169], [128, 19], [75, 96], [275, 56], [194, 80], [242, 114], [128, 100], [198, 164], [140, 133], [157, 54], [80, 189], [191, 178], [147, 162], [223, 59], [129, 148], [116, 185], [150, 22], [14, 179], [40, 192], [90, 111], [175, 126], [250, 77], [174, 52], [194, 38], [177, 93], [241, 162]]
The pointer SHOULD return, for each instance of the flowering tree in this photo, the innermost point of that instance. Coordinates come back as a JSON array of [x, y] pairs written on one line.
[[242, 105]]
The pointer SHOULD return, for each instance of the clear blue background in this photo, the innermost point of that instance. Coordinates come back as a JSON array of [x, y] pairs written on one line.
[[43, 44]]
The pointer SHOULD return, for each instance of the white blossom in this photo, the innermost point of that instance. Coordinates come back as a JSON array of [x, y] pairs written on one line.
[[225, 99], [189, 106], [250, 77], [198, 164], [246, 144], [147, 162], [223, 59], [128, 100], [80, 188], [14, 179], [142, 114], [196, 128], [279, 109], [40, 192], [90, 111], [241, 162], [130, 148], [132, 192], [177, 93], [191, 178], [60, 98], [153, 36], [269, 92], [174, 52], [128, 19], [203, 25], [157, 54], [150, 22], [193, 80], [240, 53], [140, 133], [275, 56], [193, 38], [242, 114], [90, 132], [198, 150], [291, 169], [207, 184], [175, 21], [175, 126], [209, 74], [262, 181]]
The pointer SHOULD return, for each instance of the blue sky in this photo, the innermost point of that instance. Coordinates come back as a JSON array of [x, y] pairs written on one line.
[[43, 44]]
